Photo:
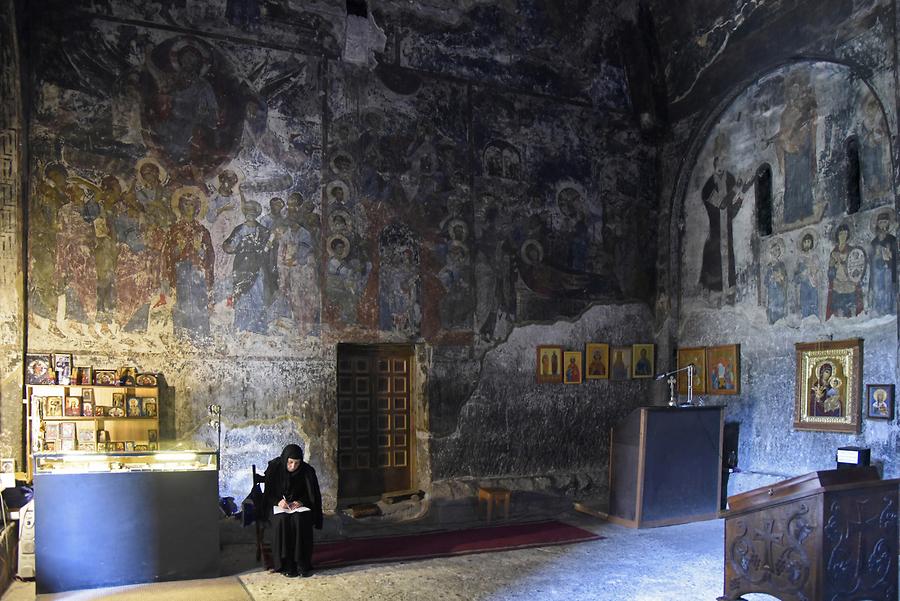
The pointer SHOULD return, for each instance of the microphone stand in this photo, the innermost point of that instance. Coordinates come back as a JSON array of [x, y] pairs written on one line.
[[672, 380]]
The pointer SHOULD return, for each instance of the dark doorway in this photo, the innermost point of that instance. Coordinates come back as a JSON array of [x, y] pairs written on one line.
[[374, 421]]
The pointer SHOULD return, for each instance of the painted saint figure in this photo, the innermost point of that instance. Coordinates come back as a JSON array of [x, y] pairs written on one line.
[[795, 147], [76, 265], [251, 274], [806, 279], [883, 277], [51, 194], [188, 260], [457, 304], [846, 268], [825, 393], [642, 366], [722, 201], [776, 284], [573, 372], [298, 283], [223, 216], [597, 366]]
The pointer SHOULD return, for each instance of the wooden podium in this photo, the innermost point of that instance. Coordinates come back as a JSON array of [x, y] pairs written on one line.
[[665, 466], [825, 535]]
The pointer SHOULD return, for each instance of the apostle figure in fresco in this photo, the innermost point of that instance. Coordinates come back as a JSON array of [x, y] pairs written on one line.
[[153, 195], [846, 268], [76, 266], [882, 278], [137, 262], [223, 216], [298, 290], [807, 278], [346, 279], [106, 198], [188, 261], [398, 290], [251, 273], [874, 142], [51, 194], [776, 284], [795, 147], [457, 303], [721, 196]]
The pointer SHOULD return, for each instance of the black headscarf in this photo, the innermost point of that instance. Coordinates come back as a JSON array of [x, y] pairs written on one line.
[[291, 451]]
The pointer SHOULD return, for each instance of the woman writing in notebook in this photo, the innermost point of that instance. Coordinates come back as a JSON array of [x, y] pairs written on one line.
[[292, 493]]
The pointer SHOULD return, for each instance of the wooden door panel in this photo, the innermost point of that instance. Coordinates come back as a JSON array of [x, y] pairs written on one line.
[[374, 421]]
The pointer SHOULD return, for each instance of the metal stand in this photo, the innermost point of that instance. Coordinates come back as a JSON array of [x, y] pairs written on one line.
[[215, 421]]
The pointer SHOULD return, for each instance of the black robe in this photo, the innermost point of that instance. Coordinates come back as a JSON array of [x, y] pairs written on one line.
[[292, 536]]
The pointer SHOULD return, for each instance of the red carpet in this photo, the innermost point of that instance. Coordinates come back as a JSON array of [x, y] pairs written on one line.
[[445, 543]]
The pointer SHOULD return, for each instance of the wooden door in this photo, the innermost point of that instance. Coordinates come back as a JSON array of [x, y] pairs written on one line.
[[374, 420]]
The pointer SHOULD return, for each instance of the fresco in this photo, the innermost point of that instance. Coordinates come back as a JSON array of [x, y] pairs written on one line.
[[554, 232], [161, 214], [825, 258], [200, 192]]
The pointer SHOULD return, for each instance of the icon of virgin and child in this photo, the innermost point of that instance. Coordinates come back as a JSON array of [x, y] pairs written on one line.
[[826, 391]]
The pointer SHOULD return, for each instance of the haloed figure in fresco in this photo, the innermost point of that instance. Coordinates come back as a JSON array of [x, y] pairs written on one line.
[[51, 194], [846, 268], [776, 284], [807, 278], [188, 260], [882, 278], [223, 216], [76, 264], [825, 393], [251, 273]]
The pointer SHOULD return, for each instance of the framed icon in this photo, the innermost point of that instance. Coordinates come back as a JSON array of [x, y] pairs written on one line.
[[38, 369], [105, 377], [695, 356], [880, 401], [573, 365], [723, 369], [549, 367], [62, 365], [597, 361], [620, 363], [642, 360], [828, 386]]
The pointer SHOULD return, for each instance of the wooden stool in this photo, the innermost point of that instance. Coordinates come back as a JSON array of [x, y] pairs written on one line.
[[493, 496]]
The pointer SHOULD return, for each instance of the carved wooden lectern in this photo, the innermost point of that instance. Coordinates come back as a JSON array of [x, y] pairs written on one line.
[[826, 535]]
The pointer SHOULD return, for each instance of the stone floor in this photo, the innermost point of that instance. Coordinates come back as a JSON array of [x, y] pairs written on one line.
[[676, 563]]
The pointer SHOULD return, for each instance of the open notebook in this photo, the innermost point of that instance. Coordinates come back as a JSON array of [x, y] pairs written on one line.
[[276, 510]]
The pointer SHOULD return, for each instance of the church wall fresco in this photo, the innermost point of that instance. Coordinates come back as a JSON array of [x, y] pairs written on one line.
[[215, 200], [815, 137]]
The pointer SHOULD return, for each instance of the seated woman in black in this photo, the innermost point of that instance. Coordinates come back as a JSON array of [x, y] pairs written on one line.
[[291, 484]]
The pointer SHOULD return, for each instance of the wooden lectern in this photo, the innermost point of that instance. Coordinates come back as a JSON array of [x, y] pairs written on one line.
[[665, 466], [825, 535]]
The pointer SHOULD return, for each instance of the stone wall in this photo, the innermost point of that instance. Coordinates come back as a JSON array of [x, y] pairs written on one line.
[[11, 280], [223, 191], [780, 184]]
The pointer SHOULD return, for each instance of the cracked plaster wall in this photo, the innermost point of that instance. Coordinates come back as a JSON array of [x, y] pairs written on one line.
[[729, 71], [481, 190], [11, 174]]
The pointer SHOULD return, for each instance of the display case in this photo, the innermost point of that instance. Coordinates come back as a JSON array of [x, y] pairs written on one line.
[[109, 519], [82, 462], [92, 419]]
